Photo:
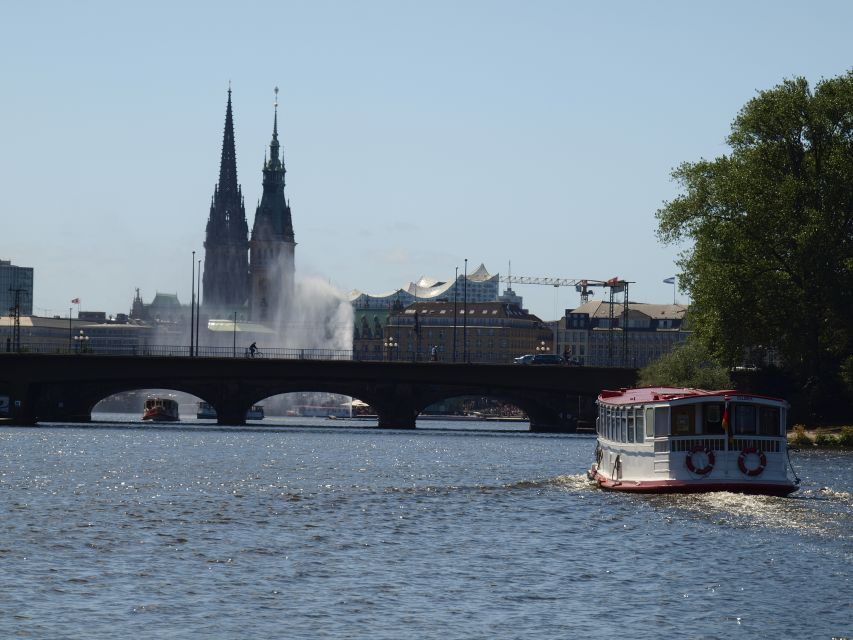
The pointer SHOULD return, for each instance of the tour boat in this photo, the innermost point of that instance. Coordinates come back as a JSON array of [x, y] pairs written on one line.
[[256, 412], [206, 411], [671, 440], [160, 410]]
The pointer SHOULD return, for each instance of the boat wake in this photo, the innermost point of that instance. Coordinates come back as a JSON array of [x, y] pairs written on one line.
[[801, 513], [577, 482], [826, 493]]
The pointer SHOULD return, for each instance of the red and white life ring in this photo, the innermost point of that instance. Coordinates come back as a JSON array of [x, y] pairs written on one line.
[[754, 471], [709, 460]]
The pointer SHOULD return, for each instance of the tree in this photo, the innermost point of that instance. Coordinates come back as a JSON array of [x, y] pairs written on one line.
[[771, 225], [687, 365]]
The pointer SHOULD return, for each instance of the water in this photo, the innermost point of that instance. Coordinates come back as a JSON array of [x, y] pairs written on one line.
[[458, 530]]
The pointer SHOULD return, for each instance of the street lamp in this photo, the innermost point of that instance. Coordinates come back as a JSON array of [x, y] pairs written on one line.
[[542, 347], [390, 344], [81, 340]]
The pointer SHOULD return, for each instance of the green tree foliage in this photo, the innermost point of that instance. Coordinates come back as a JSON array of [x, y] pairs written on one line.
[[688, 365], [771, 225]]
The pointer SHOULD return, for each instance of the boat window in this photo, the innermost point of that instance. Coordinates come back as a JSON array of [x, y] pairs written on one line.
[[662, 421], [650, 423], [639, 417], [630, 420], [614, 425], [712, 417], [768, 421], [608, 417], [683, 420], [744, 419]]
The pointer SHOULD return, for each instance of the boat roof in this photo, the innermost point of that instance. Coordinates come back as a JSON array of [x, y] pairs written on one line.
[[648, 395]]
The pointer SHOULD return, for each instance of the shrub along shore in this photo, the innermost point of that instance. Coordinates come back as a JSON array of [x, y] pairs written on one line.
[[823, 437]]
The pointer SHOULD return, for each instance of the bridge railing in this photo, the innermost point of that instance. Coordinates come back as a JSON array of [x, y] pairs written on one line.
[[98, 345], [113, 348]]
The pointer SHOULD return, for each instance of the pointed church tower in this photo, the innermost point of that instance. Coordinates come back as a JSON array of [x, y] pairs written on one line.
[[272, 244], [226, 268]]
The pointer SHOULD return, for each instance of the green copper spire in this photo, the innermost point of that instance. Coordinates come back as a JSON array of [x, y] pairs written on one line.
[[272, 218]]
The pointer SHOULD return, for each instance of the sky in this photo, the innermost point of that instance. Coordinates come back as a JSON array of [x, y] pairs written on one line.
[[415, 134]]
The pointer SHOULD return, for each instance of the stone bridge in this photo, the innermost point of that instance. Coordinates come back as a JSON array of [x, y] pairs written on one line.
[[66, 387]]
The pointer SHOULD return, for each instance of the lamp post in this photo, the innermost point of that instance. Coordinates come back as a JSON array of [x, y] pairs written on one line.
[[70, 331], [391, 344], [81, 340], [192, 310], [542, 347], [465, 317], [455, 297], [197, 306]]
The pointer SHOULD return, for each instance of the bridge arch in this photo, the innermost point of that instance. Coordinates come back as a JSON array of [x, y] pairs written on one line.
[[52, 387]]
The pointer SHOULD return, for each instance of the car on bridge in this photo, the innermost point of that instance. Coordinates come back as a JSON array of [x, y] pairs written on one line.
[[547, 358], [525, 359]]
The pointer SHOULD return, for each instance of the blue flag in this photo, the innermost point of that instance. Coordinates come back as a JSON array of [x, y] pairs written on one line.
[[670, 280]]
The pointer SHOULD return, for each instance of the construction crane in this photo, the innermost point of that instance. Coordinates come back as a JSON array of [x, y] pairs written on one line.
[[583, 287]]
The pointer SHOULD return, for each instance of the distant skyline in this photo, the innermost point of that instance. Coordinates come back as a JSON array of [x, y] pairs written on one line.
[[415, 135]]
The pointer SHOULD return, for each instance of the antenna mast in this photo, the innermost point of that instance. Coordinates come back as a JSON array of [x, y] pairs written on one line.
[[16, 315]]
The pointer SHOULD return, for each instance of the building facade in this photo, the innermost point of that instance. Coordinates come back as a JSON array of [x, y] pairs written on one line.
[[16, 289], [476, 332], [586, 336], [78, 335]]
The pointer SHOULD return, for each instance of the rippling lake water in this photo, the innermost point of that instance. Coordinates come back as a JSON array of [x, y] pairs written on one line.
[[326, 529]]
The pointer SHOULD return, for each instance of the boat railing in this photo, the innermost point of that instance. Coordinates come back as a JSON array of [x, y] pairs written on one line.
[[767, 444], [688, 443]]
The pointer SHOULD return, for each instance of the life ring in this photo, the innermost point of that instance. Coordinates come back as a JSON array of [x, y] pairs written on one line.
[[762, 461], [710, 459]]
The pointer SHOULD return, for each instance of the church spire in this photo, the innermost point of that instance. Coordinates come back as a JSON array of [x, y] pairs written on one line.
[[228, 165], [272, 243], [275, 162], [226, 265]]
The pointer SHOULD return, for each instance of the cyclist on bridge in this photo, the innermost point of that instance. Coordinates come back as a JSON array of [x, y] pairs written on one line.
[[253, 349]]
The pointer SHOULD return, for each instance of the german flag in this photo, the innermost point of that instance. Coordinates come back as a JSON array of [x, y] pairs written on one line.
[[727, 424]]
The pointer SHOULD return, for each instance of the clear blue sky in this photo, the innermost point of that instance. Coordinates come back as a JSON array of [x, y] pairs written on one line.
[[415, 134]]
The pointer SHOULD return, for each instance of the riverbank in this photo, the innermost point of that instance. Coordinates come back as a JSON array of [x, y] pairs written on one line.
[[822, 437]]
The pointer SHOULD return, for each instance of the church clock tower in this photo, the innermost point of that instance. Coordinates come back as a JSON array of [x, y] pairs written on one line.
[[272, 245], [226, 266]]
